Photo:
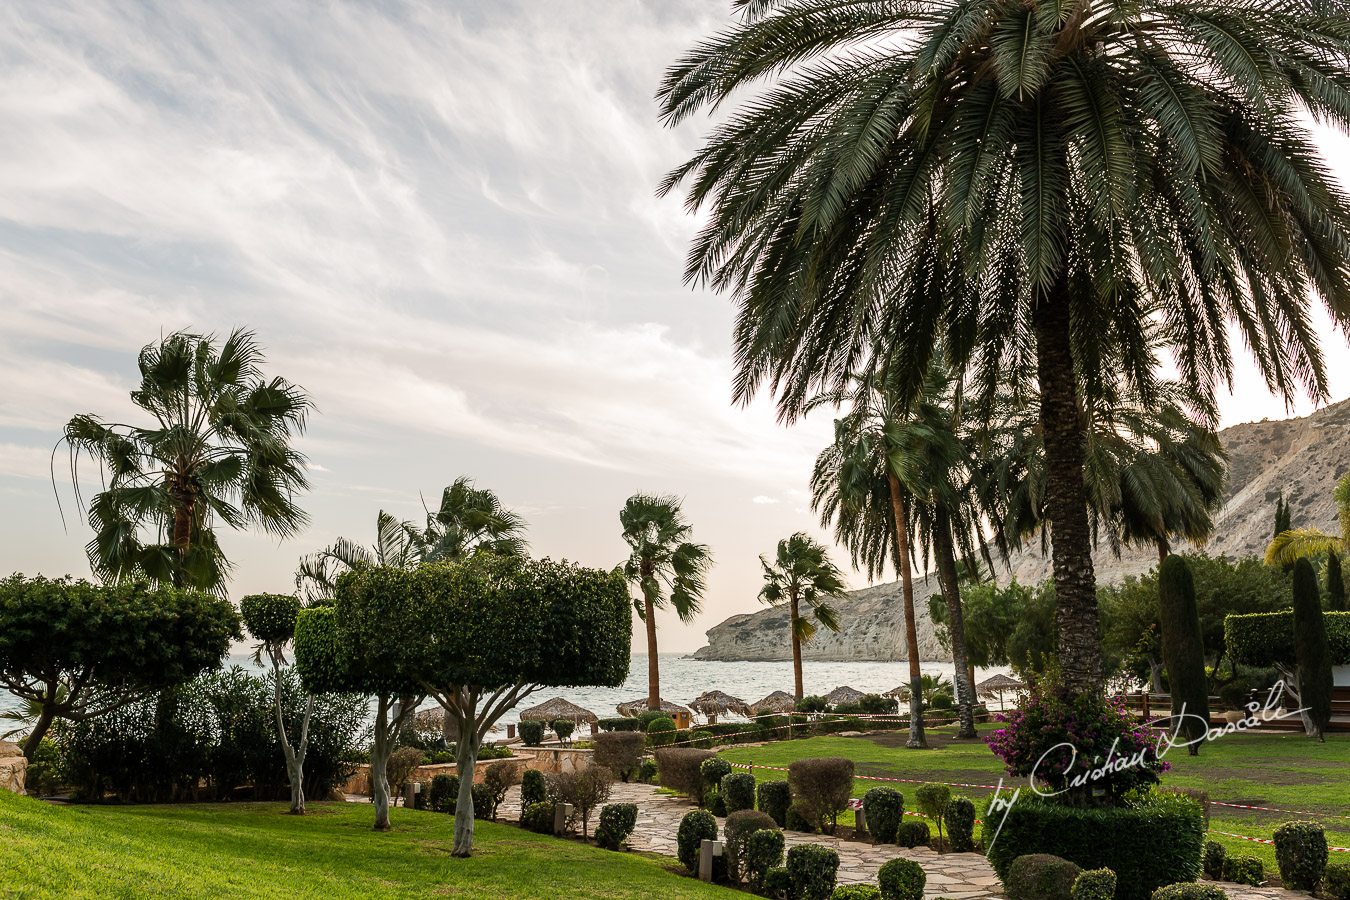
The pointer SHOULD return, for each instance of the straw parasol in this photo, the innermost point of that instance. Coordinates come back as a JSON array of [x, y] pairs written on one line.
[[995, 685], [843, 695], [637, 707], [898, 693], [558, 708], [777, 702], [717, 703]]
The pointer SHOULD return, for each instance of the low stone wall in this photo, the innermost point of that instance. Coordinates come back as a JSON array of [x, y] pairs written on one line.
[[545, 759], [13, 768]]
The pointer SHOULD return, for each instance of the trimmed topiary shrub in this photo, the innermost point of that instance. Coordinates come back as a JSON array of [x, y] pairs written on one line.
[[531, 732], [701, 739], [1248, 870], [695, 828], [777, 882], [736, 835], [813, 869], [774, 798], [680, 769], [901, 879], [1199, 795], [884, 809], [812, 703], [1336, 882], [619, 751], [1190, 890], [1214, 857], [1311, 651], [1301, 852], [912, 834], [538, 817], [617, 821], [620, 724], [270, 618], [763, 852], [798, 822], [856, 892], [444, 792], [932, 800], [959, 817], [821, 789], [482, 801], [1040, 876], [1183, 649], [1094, 884], [563, 728], [1155, 841], [941, 701], [876, 705], [738, 791], [661, 732], [532, 789], [714, 769], [712, 802]]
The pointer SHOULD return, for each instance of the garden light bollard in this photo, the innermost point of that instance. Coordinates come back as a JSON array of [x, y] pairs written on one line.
[[561, 813], [707, 851], [410, 791], [859, 821], [510, 732]]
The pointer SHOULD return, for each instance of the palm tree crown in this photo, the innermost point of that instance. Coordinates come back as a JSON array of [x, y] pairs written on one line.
[[220, 448], [470, 519], [396, 545], [802, 575]]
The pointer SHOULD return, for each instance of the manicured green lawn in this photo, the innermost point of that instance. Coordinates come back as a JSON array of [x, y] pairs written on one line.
[[246, 850], [1289, 771]]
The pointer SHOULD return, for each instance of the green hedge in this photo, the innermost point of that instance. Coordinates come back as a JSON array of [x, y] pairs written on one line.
[[1267, 639], [1156, 841]]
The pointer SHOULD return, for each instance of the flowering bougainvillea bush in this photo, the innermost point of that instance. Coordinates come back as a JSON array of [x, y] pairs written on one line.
[[1086, 748]]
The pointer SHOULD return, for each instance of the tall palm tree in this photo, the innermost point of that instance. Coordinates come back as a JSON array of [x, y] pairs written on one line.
[[1026, 186], [1295, 544], [470, 519], [665, 566], [397, 544], [802, 575], [219, 448]]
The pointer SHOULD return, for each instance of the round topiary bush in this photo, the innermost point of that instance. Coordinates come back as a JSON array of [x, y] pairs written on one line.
[[563, 728], [1040, 876], [740, 826], [941, 701], [1301, 852], [1336, 882], [713, 770], [1214, 857], [444, 792], [912, 834], [532, 788], [856, 892], [713, 803], [531, 732], [959, 817], [763, 852], [1094, 884], [701, 739], [538, 817], [884, 809], [901, 879], [738, 791], [777, 882], [617, 821], [661, 732], [1189, 890], [821, 789], [619, 751], [695, 828], [270, 618], [1248, 870], [813, 869], [681, 769], [774, 797]]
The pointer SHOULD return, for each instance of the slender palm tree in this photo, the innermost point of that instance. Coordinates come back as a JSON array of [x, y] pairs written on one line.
[[470, 519], [397, 544], [1295, 544], [802, 575], [1025, 186], [219, 449], [665, 567]]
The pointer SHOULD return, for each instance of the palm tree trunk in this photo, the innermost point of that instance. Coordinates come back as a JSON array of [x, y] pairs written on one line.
[[951, 592], [916, 738], [796, 647], [1078, 624], [39, 731], [653, 670], [1164, 550]]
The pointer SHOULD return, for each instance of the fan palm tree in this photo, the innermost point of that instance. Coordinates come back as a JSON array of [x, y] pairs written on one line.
[[470, 519], [802, 575], [1299, 543], [1025, 186], [665, 567], [397, 545], [219, 449]]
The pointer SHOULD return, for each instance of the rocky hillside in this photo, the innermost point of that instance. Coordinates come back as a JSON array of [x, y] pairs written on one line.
[[1301, 457]]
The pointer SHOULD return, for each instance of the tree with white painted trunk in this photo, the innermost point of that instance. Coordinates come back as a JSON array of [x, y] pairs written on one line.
[[270, 619]]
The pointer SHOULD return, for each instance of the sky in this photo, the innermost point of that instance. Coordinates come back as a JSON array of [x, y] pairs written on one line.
[[440, 219]]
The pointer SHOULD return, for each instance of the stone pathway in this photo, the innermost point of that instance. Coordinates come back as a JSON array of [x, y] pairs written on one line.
[[959, 876]]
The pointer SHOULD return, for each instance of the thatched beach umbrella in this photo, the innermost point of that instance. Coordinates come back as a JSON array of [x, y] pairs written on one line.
[[719, 703], [898, 693], [995, 685], [558, 708], [843, 695], [637, 707], [777, 703]]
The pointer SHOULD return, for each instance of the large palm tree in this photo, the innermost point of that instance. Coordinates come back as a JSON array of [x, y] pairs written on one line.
[[470, 519], [802, 575], [1024, 185], [219, 448], [397, 544], [665, 567]]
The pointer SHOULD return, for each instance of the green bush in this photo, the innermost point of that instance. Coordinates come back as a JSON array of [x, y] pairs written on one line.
[[1189, 890], [941, 701], [619, 724], [1157, 840], [270, 618], [532, 732], [812, 703], [738, 791], [856, 892], [1213, 860], [714, 769], [482, 801], [700, 738], [959, 816], [932, 800], [45, 769], [619, 751], [884, 809], [713, 803], [774, 798], [445, 792], [617, 821], [661, 732], [680, 769], [1248, 870], [1301, 851], [538, 817], [498, 778], [648, 716], [876, 705], [1094, 884], [813, 869], [777, 882], [563, 728], [797, 821], [912, 834], [1040, 876], [1336, 882], [1312, 648], [1267, 639], [1183, 648], [1199, 795], [647, 771], [821, 789], [532, 788], [901, 879], [736, 835], [763, 852], [695, 828]]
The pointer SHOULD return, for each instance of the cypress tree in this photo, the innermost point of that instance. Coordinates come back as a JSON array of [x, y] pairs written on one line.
[[1336, 600], [1183, 649], [1281, 516], [1311, 651]]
